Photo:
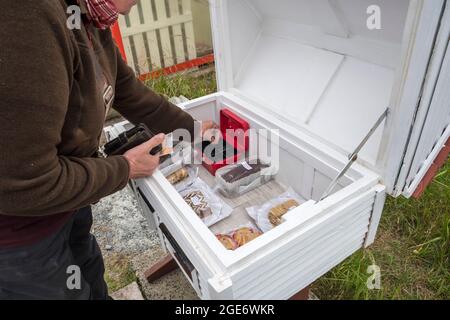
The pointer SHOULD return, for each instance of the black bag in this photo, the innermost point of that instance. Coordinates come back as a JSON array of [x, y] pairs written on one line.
[[129, 140]]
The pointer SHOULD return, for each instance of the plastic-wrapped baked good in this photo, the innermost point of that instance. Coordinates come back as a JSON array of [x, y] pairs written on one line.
[[178, 176], [183, 177], [197, 201], [278, 211], [239, 236], [244, 235], [270, 214], [205, 202], [181, 155], [235, 180], [227, 241]]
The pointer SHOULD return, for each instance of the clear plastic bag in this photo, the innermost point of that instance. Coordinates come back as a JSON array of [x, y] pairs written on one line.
[[260, 214], [235, 180], [181, 155], [232, 240], [206, 203], [183, 177]]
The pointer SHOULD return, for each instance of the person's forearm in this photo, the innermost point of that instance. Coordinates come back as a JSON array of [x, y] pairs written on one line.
[[69, 185]]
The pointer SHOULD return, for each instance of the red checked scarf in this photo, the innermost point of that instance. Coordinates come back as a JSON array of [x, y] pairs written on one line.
[[103, 13]]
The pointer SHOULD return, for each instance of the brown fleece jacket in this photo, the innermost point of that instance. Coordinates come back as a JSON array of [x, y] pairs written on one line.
[[52, 112]]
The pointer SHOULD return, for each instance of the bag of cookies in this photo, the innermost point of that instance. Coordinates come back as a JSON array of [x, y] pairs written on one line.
[[269, 215], [235, 180], [205, 202], [183, 177], [238, 237]]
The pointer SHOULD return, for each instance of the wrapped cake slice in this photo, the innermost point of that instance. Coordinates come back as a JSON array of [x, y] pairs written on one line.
[[235, 180]]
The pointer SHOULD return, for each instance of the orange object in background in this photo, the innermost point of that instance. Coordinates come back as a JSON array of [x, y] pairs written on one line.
[[117, 35]]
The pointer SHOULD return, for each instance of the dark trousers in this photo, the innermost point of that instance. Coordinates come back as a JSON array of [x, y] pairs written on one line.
[[66, 266]]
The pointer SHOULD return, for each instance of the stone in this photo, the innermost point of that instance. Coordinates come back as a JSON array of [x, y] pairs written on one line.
[[130, 292], [173, 286]]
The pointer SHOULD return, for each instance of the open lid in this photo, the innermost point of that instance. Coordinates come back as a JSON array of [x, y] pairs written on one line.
[[322, 66]]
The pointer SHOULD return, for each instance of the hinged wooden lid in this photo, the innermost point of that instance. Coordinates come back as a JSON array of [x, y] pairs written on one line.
[[331, 67], [314, 64]]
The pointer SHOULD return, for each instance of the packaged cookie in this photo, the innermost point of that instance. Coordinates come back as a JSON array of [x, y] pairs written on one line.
[[178, 176], [244, 235], [235, 180], [238, 237], [205, 202], [277, 212], [227, 241], [183, 177], [270, 214]]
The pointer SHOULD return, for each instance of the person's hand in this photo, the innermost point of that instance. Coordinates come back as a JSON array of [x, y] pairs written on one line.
[[142, 163]]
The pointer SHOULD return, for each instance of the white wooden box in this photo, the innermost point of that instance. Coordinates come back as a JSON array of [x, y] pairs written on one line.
[[314, 71]]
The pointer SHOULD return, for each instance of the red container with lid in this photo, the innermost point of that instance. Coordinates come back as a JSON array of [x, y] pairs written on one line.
[[231, 147]]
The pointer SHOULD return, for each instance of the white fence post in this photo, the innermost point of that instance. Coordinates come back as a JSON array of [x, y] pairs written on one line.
[[158, 34]]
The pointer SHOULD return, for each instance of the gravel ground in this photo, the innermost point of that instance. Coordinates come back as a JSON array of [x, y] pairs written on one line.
[[129, 247], [119, 225]]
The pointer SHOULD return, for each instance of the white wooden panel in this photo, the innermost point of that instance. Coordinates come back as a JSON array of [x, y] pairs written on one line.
[[431, 119], [126, 42], [177, 33], [307, 240], [378, 206], [164, 33], [302, 280], [435, 131], [417, 49], [189, 31], [287, 76], [155, 58], [307, 181], [336, 23], [139, 45], [355, 99], [299, 279], [320, 184], [146, 210], [303, 259], [158, 38]]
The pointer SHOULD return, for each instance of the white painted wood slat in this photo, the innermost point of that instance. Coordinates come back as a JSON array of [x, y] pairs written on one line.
[[154, 58], [189, 31], [301, 258], [158, 34], [166, 46], [177, 33]]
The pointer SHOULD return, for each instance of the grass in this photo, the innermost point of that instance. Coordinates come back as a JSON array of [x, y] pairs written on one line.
[[412, 250], [184, 84], [413, 242], [118, 272]]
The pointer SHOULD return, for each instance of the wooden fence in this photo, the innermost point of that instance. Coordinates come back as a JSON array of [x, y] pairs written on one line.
[[158, 34]]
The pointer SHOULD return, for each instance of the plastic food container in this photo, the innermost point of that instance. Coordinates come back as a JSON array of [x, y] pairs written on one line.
[[235, 180]]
